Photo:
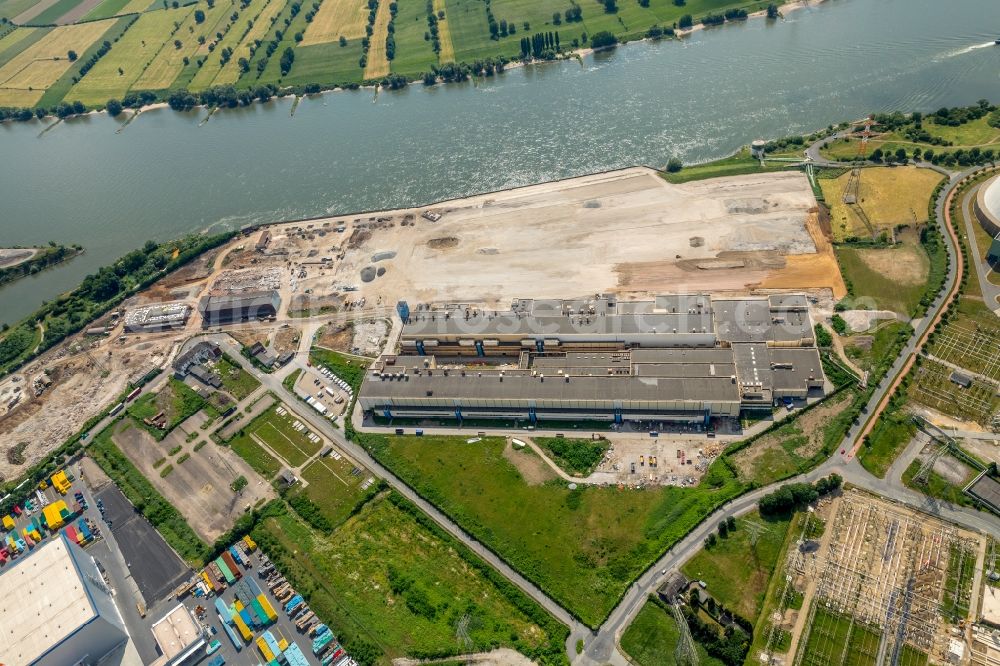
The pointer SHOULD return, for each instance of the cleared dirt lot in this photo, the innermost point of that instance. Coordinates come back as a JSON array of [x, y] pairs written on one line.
[[626, 231], [198, 487]]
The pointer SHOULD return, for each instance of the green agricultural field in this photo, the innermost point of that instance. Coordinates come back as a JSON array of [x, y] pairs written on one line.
[[583, 546], [169, 62], [17, 40], [58, 90], [114, 74], [205, 74], [414, 54], [264, 16], [736, 570], [651, 638], [107, 9], [11, 8], [407, 587], [336, 488], [54, 12]]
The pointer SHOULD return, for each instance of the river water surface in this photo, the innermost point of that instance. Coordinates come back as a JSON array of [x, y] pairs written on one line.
[[698, 99]]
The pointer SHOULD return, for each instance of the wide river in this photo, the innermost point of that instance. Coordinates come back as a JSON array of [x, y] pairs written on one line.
[[698, 99]]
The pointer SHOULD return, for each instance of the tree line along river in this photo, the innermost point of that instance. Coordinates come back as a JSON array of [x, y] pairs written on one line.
[[168, 173]]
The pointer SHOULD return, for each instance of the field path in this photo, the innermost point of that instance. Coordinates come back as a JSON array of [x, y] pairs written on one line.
[[378, 64], [447, 53], [335, 19]]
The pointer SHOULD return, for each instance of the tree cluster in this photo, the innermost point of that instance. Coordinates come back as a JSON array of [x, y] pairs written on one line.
[[540, 46], [603, 39], [794, 496]]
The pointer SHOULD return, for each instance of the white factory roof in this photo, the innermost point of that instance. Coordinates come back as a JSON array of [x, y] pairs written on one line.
[[177, 634], [44, 601]]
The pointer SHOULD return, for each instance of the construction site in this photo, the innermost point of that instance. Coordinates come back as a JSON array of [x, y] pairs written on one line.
[[879, 584], [627, 233]]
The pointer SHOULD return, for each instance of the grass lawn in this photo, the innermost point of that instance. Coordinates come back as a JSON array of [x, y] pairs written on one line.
[[583, 547], [789, 449], [278, 432], [349, 368], [131, 54], [414, 54], [736, 165], [235, 380], [893, 278], [262, 462], [335, 488], [834, 639], [651, 638], [973, 133], [390, 578], [887, 440], [890, 196], [737, 572], [578, 457]]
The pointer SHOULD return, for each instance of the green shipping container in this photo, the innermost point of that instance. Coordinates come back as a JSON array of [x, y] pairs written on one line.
[[259, 611], [230, 578]]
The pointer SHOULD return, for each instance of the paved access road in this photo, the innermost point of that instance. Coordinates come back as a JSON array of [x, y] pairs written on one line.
[[991, 292]]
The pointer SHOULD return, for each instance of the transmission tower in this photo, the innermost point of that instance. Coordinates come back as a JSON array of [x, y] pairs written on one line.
[[462, 634], [685, 654], [925, 469]]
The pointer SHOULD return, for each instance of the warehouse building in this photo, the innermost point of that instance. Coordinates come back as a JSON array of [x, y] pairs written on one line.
[[684, 358], [160, 317], [57, 610], [217, 310]]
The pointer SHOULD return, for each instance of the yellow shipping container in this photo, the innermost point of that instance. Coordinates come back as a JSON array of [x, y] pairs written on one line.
[[264, 649], [8, 523], [53, 514], [250, 543], [242, 627], [60, 482]]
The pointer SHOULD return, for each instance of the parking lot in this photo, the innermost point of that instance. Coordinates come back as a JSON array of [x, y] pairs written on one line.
[[324, 390], [156, 569]]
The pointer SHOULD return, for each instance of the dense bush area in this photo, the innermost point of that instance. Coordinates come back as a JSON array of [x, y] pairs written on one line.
[[310, 512], [576, 456]]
